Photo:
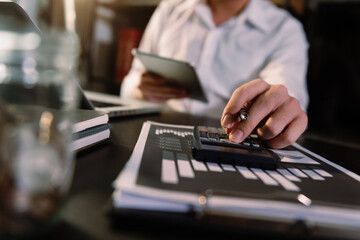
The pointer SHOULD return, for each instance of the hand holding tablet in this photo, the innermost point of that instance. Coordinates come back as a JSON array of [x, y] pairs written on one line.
[[174, 72]]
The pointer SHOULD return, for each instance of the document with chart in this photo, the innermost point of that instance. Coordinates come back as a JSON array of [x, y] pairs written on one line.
[[161, 175]]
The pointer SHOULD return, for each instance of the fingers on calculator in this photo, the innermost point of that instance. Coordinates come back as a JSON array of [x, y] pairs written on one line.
[[213, 145]]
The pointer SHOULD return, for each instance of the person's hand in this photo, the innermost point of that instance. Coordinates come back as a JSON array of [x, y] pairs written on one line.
[[277, 117], [155, 88]]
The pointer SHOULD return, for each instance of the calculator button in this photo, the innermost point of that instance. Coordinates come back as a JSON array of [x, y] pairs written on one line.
[[222, 134], [221, 137], [213, 136], [203, 134], [221, 131], [205, 141]]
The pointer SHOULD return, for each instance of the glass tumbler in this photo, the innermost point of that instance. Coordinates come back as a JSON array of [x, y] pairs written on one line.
[[38, 93]]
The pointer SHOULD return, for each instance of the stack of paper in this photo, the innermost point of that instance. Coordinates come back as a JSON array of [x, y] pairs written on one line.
[[161, 175]]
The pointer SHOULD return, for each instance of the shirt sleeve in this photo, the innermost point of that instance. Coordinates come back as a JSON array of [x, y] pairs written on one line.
[[148, 44], [287, 65]]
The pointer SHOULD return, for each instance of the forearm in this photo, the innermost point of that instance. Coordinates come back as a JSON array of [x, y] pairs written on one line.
[[129, 87]]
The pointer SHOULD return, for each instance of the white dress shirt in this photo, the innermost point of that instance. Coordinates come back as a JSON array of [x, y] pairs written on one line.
[[263, 41]]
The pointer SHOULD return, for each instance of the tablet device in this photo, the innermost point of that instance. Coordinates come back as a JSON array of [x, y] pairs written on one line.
[[177, 72]]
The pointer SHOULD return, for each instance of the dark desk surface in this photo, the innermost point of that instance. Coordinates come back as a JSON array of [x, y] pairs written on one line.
[[84, 215]]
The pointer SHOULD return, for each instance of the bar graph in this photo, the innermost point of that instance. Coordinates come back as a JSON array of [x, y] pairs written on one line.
[[177, 164]]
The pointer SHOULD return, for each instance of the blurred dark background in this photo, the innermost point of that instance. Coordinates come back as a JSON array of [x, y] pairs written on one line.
[[108, 29], [333, 30]]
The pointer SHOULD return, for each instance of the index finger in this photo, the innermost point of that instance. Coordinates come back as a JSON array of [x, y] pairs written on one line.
[[240, 97]]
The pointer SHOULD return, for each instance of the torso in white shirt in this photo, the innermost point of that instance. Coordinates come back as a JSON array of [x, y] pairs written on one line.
[[245, 47]]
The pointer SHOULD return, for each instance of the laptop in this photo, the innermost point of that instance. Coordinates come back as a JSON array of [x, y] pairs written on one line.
[[13, 18], [115, 106]]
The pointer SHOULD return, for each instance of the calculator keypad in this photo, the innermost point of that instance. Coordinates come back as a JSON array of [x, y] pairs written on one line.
[[218, 137]]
